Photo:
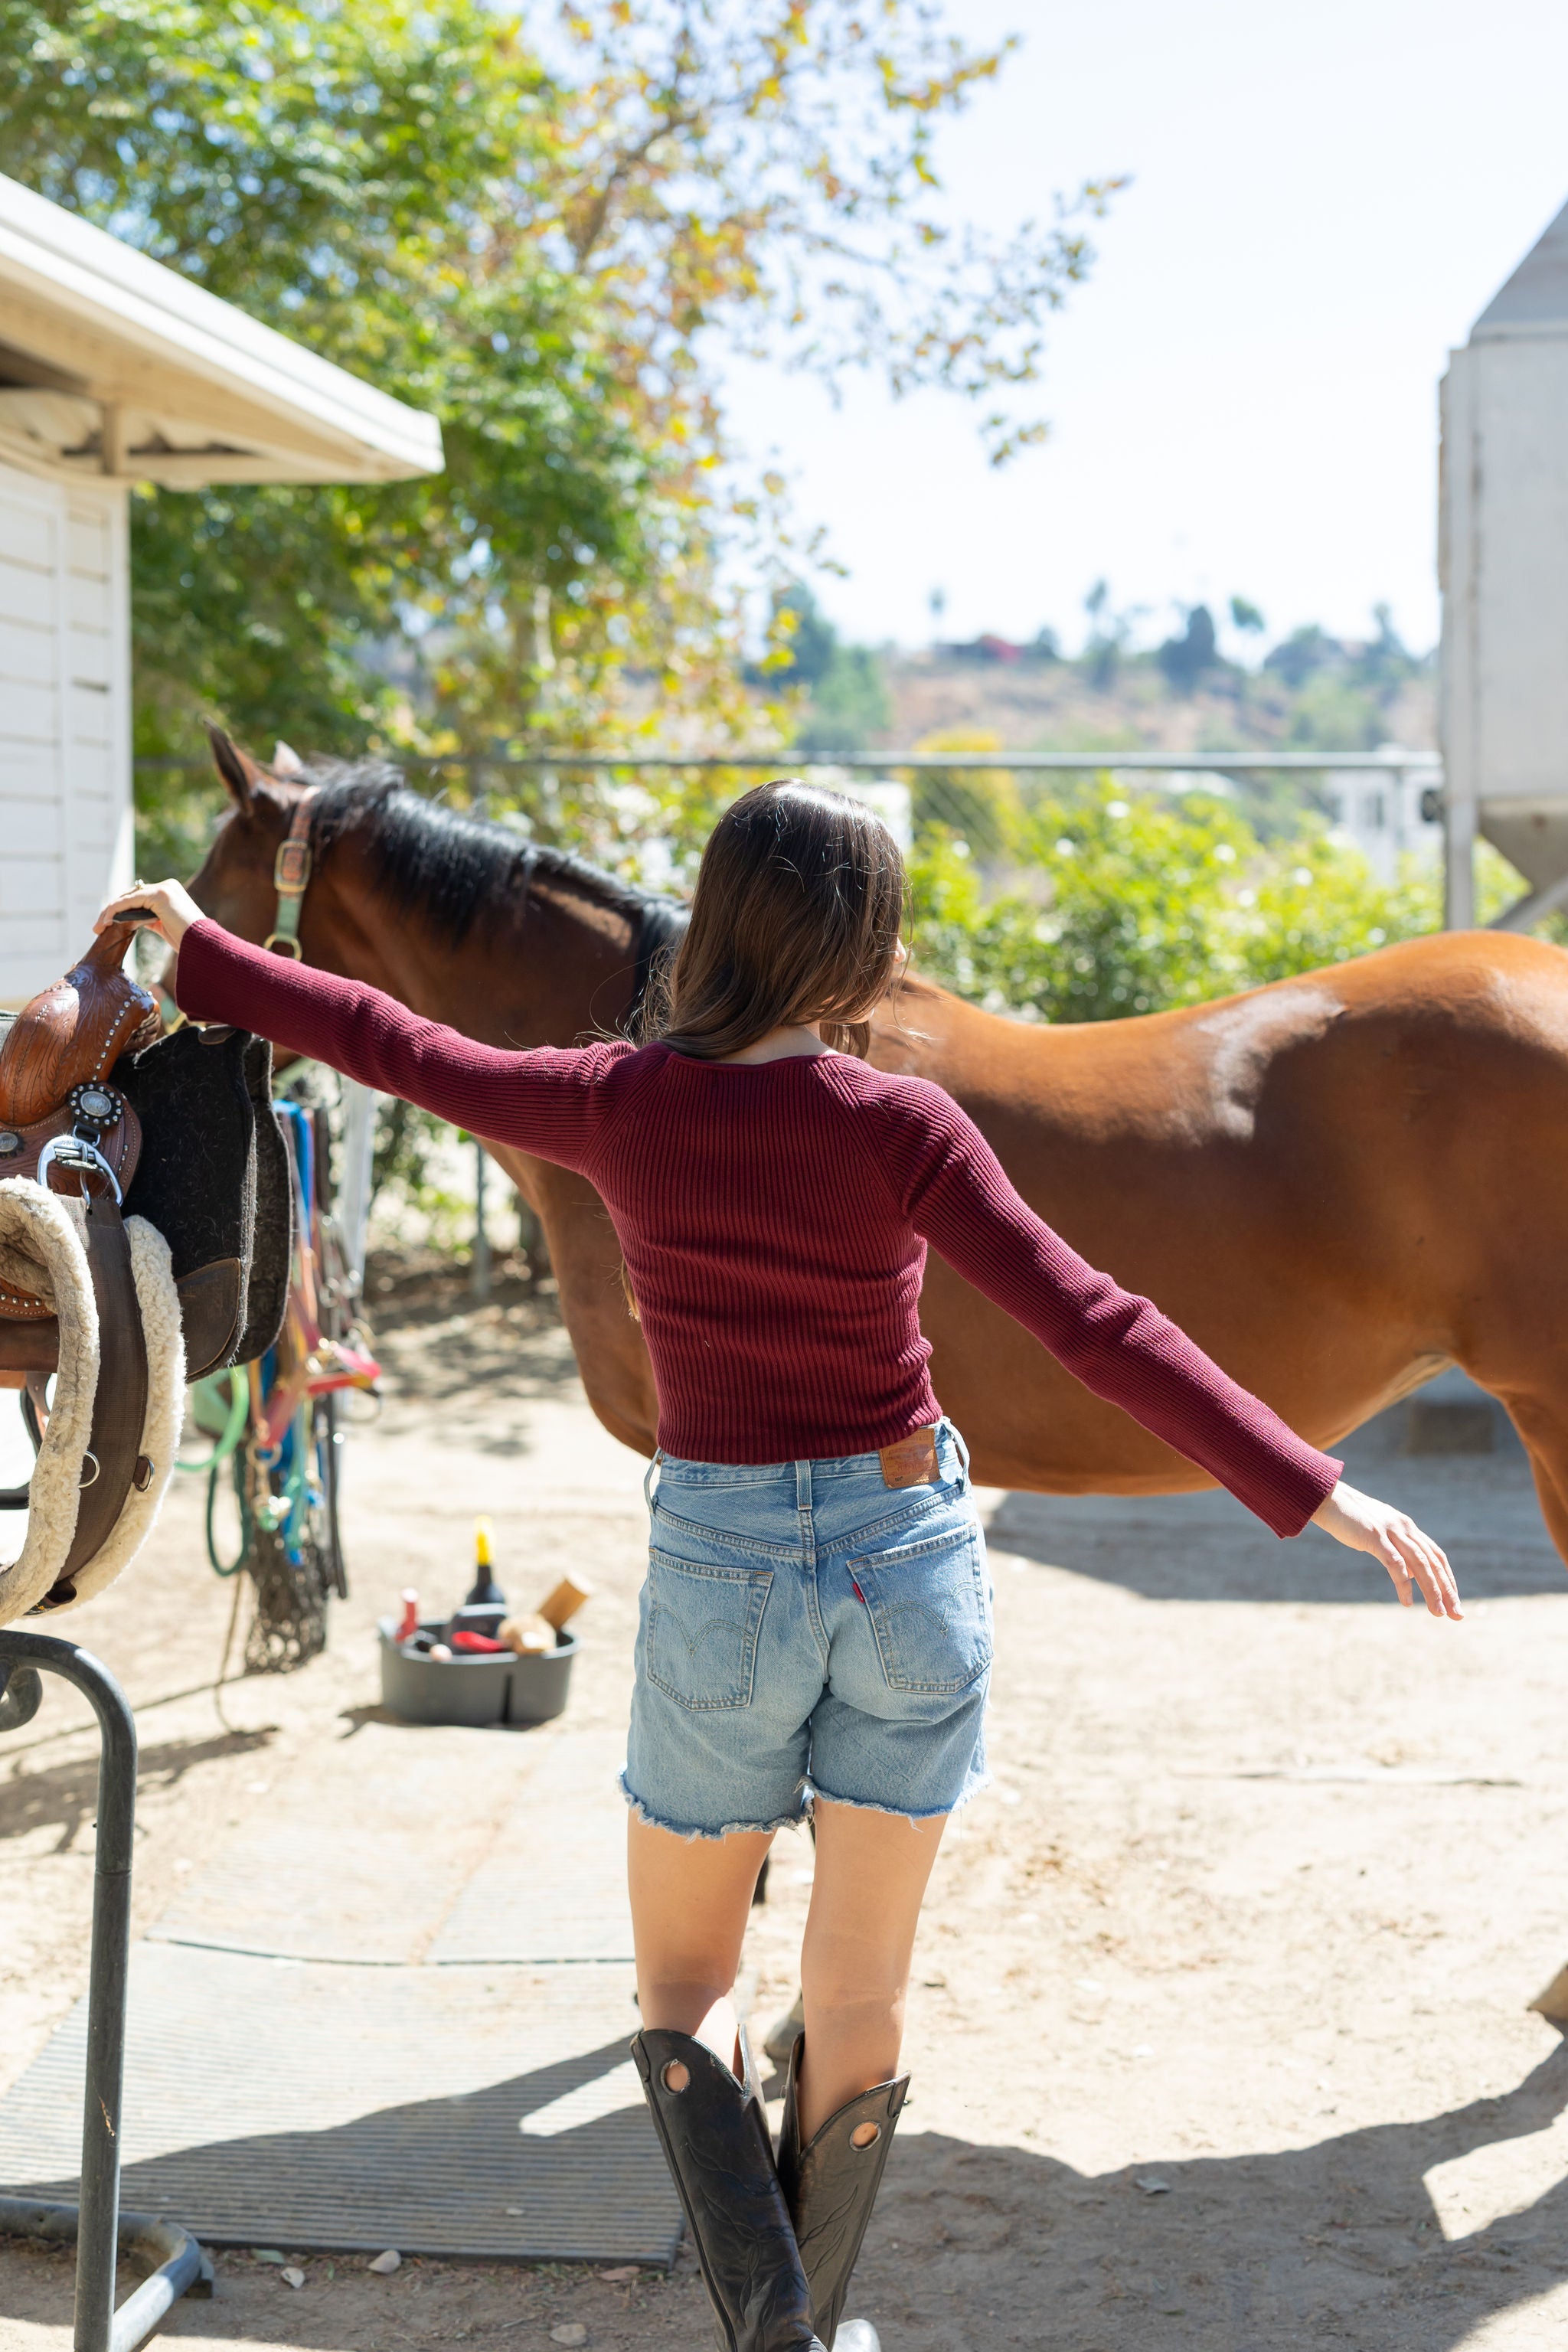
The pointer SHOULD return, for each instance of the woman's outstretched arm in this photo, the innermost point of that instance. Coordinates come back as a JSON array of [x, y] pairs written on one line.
[[958, 1196], [547, 1102]]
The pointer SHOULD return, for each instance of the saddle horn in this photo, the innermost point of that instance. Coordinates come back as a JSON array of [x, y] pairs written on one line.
[[73, 1031]]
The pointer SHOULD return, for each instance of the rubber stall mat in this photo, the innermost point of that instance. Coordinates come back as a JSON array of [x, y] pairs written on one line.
[[536, 2147], [369, 1849]]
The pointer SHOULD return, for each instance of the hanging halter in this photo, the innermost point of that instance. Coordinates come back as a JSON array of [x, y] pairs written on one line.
[[291, 879]]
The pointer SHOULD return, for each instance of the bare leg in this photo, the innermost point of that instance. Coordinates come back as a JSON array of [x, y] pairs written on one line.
[[871, 1875], [692, 1898]]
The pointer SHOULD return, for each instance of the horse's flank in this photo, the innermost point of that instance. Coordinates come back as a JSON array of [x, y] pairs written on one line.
[[1336, 1184]]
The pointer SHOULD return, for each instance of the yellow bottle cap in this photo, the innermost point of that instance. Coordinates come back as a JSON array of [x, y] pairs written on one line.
[[483, 1556]]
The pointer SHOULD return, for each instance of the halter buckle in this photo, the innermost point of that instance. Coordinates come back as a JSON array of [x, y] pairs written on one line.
[[291, 866]]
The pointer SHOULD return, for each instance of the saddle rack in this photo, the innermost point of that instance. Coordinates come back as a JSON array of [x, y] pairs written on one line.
[[90, 1094], [100, 2230]]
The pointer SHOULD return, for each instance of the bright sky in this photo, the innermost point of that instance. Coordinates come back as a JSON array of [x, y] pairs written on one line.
[[1243, 397]]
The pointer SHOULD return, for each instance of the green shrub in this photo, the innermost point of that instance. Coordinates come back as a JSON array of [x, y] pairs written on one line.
[[1130, 904]]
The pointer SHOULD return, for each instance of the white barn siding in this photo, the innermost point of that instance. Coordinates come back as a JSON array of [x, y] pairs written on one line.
[[65, 698]]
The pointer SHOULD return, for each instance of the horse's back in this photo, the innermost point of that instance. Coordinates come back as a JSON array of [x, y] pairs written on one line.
[[1496, 990]]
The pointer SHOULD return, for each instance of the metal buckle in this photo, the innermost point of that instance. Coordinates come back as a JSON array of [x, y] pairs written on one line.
[[83, 1159], [291, 867], [280, 943]]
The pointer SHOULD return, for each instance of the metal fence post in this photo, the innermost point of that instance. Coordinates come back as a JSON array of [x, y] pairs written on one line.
[[480, 1267], [359, 1104]]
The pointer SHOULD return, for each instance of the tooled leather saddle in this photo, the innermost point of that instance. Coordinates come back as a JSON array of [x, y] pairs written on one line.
[[180, 1129]]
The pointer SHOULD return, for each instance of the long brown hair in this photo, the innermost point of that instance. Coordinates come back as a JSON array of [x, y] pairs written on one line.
[[795, 918]]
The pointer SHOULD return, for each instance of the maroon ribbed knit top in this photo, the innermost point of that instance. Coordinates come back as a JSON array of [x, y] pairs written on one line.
[[775, 1218]]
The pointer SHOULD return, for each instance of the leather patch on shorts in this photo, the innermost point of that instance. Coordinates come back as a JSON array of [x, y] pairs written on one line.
[[913, 1461]]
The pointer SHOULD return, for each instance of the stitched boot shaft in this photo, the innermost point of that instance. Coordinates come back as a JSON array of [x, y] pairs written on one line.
[[715, 2141], [831, 2186]]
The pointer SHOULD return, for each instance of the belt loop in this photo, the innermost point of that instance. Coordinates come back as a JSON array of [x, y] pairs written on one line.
[[649, 1476], [959, 1446], [803, 1486]]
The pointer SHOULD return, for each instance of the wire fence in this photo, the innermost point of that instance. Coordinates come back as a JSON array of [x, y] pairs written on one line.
[[656, 808]]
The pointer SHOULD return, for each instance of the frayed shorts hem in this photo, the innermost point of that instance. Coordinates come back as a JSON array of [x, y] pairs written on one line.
[[690, 1831], [906, 1812]]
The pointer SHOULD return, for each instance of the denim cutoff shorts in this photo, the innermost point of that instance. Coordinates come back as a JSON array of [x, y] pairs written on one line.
[[808, 1631]]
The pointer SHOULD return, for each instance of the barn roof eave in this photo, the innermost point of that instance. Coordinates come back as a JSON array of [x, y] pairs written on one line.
[[89, 313]]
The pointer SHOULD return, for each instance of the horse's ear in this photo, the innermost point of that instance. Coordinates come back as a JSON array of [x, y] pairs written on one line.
[[286, 760], [239, 772]]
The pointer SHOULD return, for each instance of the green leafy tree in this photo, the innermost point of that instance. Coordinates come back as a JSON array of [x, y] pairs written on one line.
[[842, 696], [1186, 658], [849, 707], [538, 235]]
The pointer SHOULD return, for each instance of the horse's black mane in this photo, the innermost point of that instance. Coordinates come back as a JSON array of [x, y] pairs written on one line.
[[451, 868]]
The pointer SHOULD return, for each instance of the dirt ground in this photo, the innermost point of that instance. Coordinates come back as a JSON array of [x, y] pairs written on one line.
[[1219, 2031]]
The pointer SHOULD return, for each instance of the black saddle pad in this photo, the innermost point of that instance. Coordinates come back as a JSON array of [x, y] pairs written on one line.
[[214, 1174]]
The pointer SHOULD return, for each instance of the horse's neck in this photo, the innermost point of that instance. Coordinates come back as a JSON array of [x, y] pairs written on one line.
[[544, 972]]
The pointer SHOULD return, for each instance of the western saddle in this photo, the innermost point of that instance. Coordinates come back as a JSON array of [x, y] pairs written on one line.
[[96, 1106]]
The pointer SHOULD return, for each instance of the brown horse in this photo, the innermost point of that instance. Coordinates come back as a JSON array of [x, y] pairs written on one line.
[[1337, 1184]]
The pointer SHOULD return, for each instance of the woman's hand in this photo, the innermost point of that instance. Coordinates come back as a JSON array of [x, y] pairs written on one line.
[[171, 902], [1410, 1557]]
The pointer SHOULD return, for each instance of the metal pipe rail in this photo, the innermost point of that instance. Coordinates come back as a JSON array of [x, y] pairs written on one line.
[[96, 2222], [880, 763], [182, 2268]]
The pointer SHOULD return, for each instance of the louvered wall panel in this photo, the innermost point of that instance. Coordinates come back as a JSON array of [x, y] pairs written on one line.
[[65, 693]]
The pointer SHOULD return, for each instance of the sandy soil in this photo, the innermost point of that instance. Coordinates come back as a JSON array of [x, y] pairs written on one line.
[[1219, 2033]]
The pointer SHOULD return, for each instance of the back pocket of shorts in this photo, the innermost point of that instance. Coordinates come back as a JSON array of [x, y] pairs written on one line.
[[702, 1629], [928, 1612]]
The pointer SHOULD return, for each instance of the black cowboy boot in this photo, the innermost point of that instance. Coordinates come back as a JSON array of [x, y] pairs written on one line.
[[714, 2133], [831, 2186]]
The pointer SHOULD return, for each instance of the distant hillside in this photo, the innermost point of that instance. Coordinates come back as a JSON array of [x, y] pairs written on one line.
[[1310, 691], [1341, 698]]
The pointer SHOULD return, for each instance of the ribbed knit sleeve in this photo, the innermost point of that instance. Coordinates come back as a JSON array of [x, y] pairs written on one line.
[[951, 1187], [551, 1103]]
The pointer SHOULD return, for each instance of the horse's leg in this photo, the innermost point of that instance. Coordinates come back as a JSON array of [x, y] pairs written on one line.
[[586, 1257], [1542, 1420], [1542, 1424]]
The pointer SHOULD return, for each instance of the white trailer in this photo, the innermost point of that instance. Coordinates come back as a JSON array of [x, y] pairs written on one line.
[[114, 370], [1503, 563]]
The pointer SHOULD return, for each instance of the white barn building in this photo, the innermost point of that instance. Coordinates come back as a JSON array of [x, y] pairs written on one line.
[[1504, 569], [115, 370]]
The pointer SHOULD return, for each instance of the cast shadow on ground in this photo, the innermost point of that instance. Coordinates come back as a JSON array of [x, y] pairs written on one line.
[[64, 1797], [458, 1359], [1480, 1508], [1335, 2243]]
